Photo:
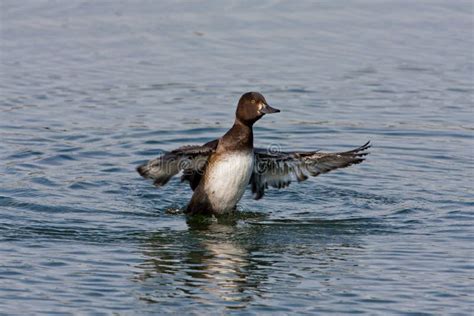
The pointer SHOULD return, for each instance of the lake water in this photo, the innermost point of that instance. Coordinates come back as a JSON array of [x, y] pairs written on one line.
[[90, 89]]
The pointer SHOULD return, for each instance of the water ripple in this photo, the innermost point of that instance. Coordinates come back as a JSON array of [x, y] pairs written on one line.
[[91, 89]]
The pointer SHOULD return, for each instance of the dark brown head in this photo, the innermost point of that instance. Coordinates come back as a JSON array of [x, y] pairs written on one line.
[[252, 106]]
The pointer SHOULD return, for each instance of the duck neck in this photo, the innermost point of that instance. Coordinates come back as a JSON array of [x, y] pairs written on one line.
[[239, 137]]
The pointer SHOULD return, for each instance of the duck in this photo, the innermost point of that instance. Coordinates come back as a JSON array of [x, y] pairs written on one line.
[[220, 171]]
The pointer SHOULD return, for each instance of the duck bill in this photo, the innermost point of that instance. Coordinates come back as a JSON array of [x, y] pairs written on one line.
[[269, 110]]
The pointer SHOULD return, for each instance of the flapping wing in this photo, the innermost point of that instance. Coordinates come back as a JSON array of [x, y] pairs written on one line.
[[189, 159], [278, 170]]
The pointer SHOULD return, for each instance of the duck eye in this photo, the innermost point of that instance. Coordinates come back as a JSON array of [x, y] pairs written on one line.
[[252, 101]]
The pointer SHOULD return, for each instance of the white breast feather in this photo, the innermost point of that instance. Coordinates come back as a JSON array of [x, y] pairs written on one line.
[[227, 179]]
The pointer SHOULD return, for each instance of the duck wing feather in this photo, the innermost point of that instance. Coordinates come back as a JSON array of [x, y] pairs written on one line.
[[192, 160], [279, 169]]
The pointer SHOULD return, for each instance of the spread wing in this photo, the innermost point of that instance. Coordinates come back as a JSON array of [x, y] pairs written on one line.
[[191, 160], [279, 169]]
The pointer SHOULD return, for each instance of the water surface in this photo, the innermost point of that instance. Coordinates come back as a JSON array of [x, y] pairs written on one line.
[[90, 89]]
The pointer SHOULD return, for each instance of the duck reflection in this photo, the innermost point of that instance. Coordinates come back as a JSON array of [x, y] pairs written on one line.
[[207, 262], [235, 262], [227, 264]]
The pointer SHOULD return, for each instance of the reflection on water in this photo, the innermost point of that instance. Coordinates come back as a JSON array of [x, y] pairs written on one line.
[[236, 262], [212, 265], [226, 264]]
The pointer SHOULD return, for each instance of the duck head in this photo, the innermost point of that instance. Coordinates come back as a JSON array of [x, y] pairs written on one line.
[[252, 106]]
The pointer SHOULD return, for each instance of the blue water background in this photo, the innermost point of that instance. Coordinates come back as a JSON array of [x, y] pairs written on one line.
[[90, 89]]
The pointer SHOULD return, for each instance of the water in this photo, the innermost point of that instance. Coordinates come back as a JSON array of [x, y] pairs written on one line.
[[90, 89]]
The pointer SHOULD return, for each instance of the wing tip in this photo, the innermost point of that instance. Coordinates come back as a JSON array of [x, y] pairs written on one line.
[[142, 170], [360, 151], [366, 146]]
